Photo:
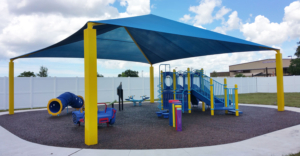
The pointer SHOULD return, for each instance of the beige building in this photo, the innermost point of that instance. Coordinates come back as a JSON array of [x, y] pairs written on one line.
[[261, 68]]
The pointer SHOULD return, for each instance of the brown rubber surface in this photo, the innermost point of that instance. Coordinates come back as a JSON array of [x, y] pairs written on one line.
[[140, 128]]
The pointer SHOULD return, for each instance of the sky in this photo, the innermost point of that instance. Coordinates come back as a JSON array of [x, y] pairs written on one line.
[[30, 25]]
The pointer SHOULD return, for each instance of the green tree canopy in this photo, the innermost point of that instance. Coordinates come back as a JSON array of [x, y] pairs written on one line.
[[214, 74], [43, 72], [27, 74], [297, 53], [129, 73], [99, 75], [294, 67], [240, 75]]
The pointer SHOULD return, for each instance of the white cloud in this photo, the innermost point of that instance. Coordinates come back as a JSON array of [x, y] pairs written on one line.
[[265, 32], [270, 33], [136, 7], [185, 18], [153, 6], [233, 22], [223, 11], [91, 8], [29, 25], [204, 11], [25, 26]]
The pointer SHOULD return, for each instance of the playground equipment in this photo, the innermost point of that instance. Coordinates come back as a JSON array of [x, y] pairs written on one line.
[[130, 98], [107, 116], [191, 87], [120, 95], [175, 114], [57, 105]]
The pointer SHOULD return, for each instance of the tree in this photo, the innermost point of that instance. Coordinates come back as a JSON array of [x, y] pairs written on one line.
[[99, 75], [214, 74], [27, 74], [43, 72], [129, 73], [297, 53], [294, 67], [240, 75]]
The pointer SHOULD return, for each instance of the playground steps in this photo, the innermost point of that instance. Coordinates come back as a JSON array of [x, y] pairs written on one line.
[[233, 112], [219, 104]]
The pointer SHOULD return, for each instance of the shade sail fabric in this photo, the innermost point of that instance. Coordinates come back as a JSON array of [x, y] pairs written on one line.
[[159, 39]]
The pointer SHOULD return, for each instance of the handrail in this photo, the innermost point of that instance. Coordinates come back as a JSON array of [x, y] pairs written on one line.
[[105, 106]]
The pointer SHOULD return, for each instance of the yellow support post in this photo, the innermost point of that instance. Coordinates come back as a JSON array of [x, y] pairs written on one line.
[[174, 83], [151, 85], [189, 89], [279, 75], [225, 94], [11, 88], [90, 74], [174, 121], [212, 98], [162, 88], [236, 100], [173, 114], [203, 106]]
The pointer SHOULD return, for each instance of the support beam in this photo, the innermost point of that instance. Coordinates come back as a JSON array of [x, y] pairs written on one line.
[[174, 83], [236, 96], [189, 90], [212, 106], [225, 94], [11, 88], [151, 84], [90, 81], [162, 88], [279, 76]]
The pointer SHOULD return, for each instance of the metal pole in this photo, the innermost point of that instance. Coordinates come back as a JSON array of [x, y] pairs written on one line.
[[90, 73]]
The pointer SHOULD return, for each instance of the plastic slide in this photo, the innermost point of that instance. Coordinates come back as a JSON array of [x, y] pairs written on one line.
[[57, 105]]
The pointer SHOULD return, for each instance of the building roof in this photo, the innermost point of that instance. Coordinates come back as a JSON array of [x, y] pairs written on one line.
[[148, 39], [257, 61]]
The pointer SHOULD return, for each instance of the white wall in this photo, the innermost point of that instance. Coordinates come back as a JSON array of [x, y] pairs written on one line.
[[36, 92], [33, 92]]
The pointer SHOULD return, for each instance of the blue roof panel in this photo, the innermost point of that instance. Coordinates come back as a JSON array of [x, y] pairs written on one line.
[[160, 40]]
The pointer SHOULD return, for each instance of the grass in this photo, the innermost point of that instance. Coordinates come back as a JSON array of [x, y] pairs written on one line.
[[291, 99], [297, 154]]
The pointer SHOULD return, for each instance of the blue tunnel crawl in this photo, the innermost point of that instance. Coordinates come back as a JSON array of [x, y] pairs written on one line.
[[57, 105]]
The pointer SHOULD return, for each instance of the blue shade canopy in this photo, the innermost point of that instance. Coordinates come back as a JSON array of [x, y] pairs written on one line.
[[159, 40]]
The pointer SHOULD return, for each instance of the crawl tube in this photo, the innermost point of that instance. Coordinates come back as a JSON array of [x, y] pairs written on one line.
[[57, 105]]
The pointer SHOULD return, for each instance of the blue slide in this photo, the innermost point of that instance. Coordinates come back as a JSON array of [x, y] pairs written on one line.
[[57, 105]]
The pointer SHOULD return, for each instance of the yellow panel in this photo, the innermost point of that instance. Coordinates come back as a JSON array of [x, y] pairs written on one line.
[[11, 88], [203, 106], [279, 75], [90, 73], [151, 85]]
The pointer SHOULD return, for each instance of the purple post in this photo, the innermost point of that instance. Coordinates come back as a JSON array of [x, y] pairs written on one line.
[[179, 125]]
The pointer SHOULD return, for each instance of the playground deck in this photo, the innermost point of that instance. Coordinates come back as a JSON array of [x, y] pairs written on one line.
[[139, 128]]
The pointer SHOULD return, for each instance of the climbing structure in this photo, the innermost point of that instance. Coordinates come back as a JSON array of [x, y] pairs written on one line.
[[193, 87]]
